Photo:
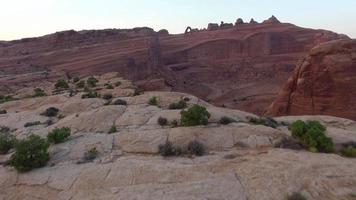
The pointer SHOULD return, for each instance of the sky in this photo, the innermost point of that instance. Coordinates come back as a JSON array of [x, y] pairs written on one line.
[[30, 18]]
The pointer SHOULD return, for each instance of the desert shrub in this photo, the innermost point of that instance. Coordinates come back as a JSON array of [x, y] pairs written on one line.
[[178, 105], [58, 135], [81, 84], [50, 112], [226, 120], [4, 129], [174, 123], [118, 83], [110, 87], [270, 122], [196, 148], [186, 99], [168, 149], [91, 81], [7, 142], [76, 79], [153, 101], [91, 154], [162, 121], [296, 196], [28, 124], [8, 98], [312, 135], [194, 116], [61, 84], [30, 153], [39, 92], [349, 152], [113, 129], [91, 94], [3, 112], [107, 96], [120, 102]]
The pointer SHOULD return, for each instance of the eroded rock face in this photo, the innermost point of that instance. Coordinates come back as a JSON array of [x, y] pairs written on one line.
[[248, 64], [323, 83]]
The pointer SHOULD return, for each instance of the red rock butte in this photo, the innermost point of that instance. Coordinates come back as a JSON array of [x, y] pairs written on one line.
[[241, 65]]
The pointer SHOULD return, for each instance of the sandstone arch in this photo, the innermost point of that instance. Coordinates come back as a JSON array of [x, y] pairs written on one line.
[[188, 30]]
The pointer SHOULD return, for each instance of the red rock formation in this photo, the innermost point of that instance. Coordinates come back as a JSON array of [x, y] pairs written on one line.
[[240, 67], [323, 83]]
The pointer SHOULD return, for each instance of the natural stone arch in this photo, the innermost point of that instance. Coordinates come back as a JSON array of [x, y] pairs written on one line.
[[188, 30]]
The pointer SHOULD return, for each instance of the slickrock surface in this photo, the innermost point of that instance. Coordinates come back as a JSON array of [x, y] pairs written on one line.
[[241, 162], [323, 83]]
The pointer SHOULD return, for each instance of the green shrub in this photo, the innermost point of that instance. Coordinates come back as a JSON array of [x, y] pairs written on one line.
[[174, 123], [117, 83], [296, 196], [28, 124], [196, 148], [270, 122], [178, 105], [226, 120], [58, 135], [120, 102], [39, 92], [162, 121], [91, 154], [168, 149], [107, 96], [3, 112], [110, 87], [7, 142], [312, 135], [90, 95], [30, 153], [153, 101], [194, 116], [91, 81], [4, 129], [4, 99], [61, 84], [113, 129], [50, 112], [81, 84], [349, 152]]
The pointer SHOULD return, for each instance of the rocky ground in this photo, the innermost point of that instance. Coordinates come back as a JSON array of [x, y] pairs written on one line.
[[242, 161]]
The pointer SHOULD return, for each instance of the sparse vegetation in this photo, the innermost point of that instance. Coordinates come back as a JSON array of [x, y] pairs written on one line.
[[76, 79], [113, 129], [226, 120], [174, 123], [4, 99], [178, 105], [91, 154], [120, 102], [91, 94], [194, 116], [196, 148], [270, 122], [109, 87], [58, 135], [107, 96], [28, 124], [162, 121], [7, 141], [312, 135], [91, 81], [118, 83], [296, 196], [39, 92], [349, 150], [50, 112], [61, 84], [168, 149], [30, 153], [81, 84], [3, 112], [289, 143], [153, 101]]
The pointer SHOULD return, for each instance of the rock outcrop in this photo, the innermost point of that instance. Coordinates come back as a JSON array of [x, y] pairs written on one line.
[[240, 160], [248, 64], [323, 83]]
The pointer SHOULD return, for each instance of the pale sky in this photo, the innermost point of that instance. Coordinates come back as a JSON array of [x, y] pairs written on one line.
[[29, 18]]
